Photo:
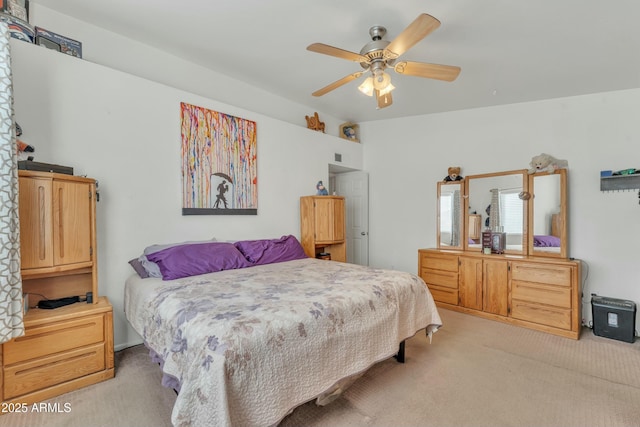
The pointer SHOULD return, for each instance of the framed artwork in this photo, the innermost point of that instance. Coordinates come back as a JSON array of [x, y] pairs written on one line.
[[350, 131], [498, 242], [219, 163]]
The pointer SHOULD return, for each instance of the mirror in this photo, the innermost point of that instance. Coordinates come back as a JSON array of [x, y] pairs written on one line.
[[492, 201], [548, 214], [450, 210]]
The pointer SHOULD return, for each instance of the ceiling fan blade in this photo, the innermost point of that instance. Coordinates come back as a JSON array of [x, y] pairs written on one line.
[[337, 84], [383, 100], [420, 28], [337, 52], [431, 71]]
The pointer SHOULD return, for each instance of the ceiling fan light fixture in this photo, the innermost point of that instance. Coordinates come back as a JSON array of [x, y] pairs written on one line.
[[387, 89], [381, 80], [367, 86]]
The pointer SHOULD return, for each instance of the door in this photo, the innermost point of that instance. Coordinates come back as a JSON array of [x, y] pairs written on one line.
[[495, 286], [71, 222], [354, 186], [36, 245], [471, 282]]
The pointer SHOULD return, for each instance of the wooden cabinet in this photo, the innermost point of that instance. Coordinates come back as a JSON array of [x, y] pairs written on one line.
[[71, 346], [322, 226], [55, 217], [537, 293], [484, 284]]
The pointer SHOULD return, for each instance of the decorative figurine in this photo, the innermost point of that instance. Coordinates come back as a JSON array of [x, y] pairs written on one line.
[[546, 163], [453, 174], [321, 189], [314, 122]]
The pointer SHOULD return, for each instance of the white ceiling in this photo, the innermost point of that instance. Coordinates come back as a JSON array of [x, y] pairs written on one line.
[[509, 51]]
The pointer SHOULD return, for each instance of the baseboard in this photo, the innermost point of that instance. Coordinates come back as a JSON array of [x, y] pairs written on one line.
[[120, 347]]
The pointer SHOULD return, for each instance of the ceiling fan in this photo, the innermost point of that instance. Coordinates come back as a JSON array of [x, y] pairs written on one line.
[[378, 55]]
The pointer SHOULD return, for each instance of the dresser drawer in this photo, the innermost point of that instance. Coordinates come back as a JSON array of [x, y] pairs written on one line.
[[37, 374], [439, 262], [53, 338], [440, 278], [447, 295], [559, 296], [548, 274], [543, 315]]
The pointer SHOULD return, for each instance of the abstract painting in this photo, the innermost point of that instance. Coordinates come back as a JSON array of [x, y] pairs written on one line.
[[219, 163]]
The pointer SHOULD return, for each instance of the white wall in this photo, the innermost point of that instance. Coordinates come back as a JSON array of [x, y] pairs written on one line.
[[125, 132], [406, 157], [115, 51]]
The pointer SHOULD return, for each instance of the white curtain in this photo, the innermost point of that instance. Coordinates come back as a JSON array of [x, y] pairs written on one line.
[[11, 324], [455, 218]]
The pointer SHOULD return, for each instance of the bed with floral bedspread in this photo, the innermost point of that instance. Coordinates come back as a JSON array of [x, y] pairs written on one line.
[[246, 346]]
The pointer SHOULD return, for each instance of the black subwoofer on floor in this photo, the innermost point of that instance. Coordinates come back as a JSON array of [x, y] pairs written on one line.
[[613, 318]]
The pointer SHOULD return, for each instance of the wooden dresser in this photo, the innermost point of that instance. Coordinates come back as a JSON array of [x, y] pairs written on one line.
[[534, 292], [71, 346], [515, 270]]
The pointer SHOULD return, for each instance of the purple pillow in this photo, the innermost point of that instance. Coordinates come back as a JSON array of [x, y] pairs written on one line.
[[546, 241], [139, 268], [268, 251], [194, 259]]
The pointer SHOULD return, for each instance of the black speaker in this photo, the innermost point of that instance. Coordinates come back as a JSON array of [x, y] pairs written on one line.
[[613, 318]]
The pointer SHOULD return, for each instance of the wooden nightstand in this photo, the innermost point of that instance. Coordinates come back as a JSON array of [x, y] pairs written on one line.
[[63, 349]]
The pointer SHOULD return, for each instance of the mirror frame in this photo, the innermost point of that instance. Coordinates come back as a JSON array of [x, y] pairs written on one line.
[[563, 215], [462, 231], [525, 210]]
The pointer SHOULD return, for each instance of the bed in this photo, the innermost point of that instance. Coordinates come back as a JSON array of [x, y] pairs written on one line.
[[247, 345], [550, 242]]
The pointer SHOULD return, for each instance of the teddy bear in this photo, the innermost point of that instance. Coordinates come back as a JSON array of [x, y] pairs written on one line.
[[546, 163], [453, 174]]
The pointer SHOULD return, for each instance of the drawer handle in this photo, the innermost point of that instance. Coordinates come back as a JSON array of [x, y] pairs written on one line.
[[86, 355], [70, 328], [60, 222], [42, 253]]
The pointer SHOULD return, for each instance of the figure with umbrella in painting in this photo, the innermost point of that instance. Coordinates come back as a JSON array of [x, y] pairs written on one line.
[[222, 188]]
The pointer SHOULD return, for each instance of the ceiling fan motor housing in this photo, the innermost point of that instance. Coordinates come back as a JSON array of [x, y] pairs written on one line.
[[374, 50]]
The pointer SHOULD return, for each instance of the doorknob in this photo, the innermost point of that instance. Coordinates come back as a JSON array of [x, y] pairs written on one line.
[[363, 233]]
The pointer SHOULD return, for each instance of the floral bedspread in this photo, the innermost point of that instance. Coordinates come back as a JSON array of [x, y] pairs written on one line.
[[248, 346]]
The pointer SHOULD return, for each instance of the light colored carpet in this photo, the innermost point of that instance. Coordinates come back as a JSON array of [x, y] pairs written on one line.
[[475, 373]]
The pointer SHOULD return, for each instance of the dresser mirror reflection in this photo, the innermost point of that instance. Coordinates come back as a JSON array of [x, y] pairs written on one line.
[[548, 214], [492, 202], [450, 214], [531, 209]]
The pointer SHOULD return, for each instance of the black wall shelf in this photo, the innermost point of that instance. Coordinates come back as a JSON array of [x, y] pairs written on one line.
[[620, 182]]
